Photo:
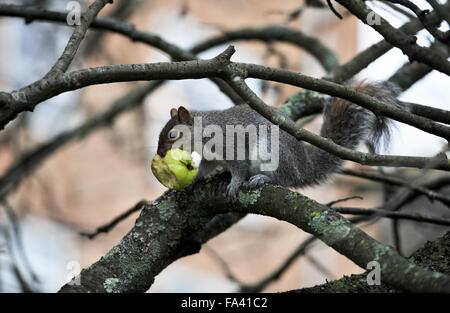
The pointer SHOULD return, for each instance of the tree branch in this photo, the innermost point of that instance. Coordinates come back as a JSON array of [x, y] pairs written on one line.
[[397, 38], [422, 15], [394, 215], [431, 194], [29, 96], [161, 229], [77, 37], [307, 102], [434, 255], [268, 34], [301, 134], [443, 12]]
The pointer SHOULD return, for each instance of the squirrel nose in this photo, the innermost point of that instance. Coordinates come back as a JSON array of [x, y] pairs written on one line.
[[162, 151]]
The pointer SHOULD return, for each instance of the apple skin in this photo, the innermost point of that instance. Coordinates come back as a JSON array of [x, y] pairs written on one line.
[[176, 170]]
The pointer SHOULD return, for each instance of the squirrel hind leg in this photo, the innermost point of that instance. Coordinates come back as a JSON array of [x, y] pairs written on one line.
[[233, 189], [238, 170]]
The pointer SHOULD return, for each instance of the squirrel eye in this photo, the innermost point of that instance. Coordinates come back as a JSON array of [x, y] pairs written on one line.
[[174, 134]]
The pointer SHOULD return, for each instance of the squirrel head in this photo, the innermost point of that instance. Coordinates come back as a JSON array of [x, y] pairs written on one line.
[[174, 129]]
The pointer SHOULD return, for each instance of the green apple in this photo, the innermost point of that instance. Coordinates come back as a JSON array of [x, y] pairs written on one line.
[[176, 170]]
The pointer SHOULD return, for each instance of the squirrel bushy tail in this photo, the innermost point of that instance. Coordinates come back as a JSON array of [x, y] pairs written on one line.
[[348, 125]]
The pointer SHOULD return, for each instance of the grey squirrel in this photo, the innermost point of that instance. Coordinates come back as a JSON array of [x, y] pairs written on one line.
[[344, 123]]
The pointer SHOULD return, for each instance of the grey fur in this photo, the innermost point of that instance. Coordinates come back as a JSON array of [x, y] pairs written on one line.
[[345, 123]]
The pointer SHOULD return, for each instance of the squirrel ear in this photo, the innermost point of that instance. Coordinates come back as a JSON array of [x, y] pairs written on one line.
[[184, 115], [173, 112]]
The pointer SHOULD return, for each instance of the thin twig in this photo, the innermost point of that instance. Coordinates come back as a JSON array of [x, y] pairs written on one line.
[[330, 204], [394, 215], [107, 227], [330, 5], [431, 194]]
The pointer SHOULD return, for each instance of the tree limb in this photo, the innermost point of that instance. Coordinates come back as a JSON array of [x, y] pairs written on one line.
[[76, 38], [219, 66], [162, 228]]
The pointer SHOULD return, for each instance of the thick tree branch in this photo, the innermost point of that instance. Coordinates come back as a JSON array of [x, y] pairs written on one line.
[[154, 241], [26, 98], [326, 57], [269, 33], [434, 256]]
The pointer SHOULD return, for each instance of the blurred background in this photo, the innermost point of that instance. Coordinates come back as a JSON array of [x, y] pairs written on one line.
[[87, 183]]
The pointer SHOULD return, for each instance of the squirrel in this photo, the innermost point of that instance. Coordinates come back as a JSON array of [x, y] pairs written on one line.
[[344, 123]]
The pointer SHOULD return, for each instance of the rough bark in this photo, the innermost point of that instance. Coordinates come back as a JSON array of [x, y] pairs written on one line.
[[434, 256], [168, 224]]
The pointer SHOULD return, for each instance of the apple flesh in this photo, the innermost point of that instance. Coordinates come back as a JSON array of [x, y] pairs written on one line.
[[176, 170]]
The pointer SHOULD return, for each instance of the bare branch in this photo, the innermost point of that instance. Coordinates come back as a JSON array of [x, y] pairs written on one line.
[[301, 134], [275, 275], [367, 56], [331, 203], [29, 96], [107, 227], [397, 38], [394, 215], [431, 194], [77, 37], [330, 5], [442, 11], [423, 17], [268, 34], [306, 102]]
